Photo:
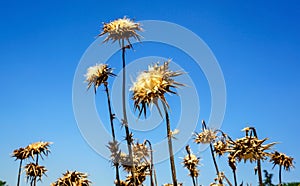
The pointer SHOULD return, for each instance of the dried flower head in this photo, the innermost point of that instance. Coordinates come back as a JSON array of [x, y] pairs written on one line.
[[72, 178], [115, 155], [21, 153], [281, 159], [152, 85], [220, 147], [191, 162], [121, 30], [97, 75], [206, 136], [140, 150], [41, 148], [34, 171], [249, 148]]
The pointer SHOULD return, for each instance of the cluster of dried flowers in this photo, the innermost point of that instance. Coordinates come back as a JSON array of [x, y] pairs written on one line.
[[248, 148], [34, 171], [150, 87]]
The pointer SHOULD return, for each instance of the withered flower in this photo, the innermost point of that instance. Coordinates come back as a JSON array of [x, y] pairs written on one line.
[[281, 159], [249, 148], [207, 136], [39, 148], [34, 171], [72, 178], [97, 75], [121, 30], [151, 86]]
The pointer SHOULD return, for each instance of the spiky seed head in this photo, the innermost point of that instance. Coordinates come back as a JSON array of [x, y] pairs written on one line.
[[21, 153], [151, 86], [73, 178], [206, 136], [281, 159], [41, 148], [34, 171], [249, 148], [220, 147], [121, 30], [191, 162], [97, 75]]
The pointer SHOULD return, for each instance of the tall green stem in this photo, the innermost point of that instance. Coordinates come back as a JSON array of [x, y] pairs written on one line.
[[111, 116], [125, 121], [19, 173], [170, 147]]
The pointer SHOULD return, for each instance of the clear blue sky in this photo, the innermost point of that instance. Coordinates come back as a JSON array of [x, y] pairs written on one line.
[[256, 43]]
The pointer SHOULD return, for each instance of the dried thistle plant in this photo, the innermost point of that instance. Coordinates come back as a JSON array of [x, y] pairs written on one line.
[[220, 147], [34, 171], [20, 154], [120, 30], [71, 178], [207, 136], [191, 162], [151, 86], [249, 148], [39, 148], [97, 75], [281, 160], [142, 165]]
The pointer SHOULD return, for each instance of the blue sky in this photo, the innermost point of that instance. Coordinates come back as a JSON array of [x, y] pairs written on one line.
[[256, 44]]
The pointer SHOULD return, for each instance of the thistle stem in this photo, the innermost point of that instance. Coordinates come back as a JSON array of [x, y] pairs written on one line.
[[112, 131], [258, 162], [212, 155], [125, 122], [280, 182], [37, 161], [170, 147], [151, 163], [191, 172], [234, 177], [215, 162], [19, 173]]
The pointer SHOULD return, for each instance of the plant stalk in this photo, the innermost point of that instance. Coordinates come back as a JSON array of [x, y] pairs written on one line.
[[258, 162], [170, 147], [125, 121], [111, 116], [37, 161], [19, 173], [234, 177], [280, 181], [151, 163]]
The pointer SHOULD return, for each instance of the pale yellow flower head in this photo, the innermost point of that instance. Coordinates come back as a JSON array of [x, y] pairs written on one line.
[[207, 136], [121, 30], [97, 75], [152, 84]]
